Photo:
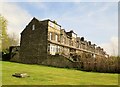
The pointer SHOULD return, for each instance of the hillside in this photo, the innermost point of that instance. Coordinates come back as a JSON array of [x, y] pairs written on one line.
[[44, 75]]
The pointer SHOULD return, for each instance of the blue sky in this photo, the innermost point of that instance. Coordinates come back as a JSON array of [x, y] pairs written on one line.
[[96, 21], [92, 20]]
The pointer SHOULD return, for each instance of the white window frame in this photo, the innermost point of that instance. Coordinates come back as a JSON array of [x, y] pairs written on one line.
[[94, 56], [50, 36], [33, 27]]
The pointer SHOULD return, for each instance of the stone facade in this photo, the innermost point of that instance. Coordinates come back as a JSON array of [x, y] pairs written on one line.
[[33, 45], [14, 53], [42, 38]]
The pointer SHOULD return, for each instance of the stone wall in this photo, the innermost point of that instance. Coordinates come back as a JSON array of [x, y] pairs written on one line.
[[14, 53], [58, 61], [33, 45]]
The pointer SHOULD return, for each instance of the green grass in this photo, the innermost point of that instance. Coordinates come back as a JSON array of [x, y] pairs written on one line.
[[43, 75]]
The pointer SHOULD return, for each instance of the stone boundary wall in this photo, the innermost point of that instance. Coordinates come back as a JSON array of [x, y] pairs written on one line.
[[14, 53], [104, 65], [58, 61]]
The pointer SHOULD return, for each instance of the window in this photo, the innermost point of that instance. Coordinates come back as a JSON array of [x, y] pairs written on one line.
[[51, 24], [94, 56], [50, 36], [57, 27], [57, 49], [56, 37], [74, 35], [33, 27], [51, 48], [48, 47]]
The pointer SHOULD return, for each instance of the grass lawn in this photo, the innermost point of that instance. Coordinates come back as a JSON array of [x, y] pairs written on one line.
[[43, 75]]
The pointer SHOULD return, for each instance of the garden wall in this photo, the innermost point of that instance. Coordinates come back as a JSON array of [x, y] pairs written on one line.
[[100, 64], [58, 61]]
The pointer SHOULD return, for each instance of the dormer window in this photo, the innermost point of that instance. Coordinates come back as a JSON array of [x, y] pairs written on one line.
[[33, 27], [74, 35]]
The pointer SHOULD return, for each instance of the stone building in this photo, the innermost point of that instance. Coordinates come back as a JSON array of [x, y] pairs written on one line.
[[42, 38]]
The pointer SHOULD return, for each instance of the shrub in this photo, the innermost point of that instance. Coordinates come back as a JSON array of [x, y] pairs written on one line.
[[5, 55], [100, 64]]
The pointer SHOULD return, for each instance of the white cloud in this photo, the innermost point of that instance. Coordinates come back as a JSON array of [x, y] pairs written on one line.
[[112, 46], [16, 16]]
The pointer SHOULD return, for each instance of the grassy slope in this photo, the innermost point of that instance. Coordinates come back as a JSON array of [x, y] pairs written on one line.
[[43, 75]]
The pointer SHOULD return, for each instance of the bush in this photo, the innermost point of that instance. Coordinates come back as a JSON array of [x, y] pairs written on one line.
[[5, 55], [100, 64]]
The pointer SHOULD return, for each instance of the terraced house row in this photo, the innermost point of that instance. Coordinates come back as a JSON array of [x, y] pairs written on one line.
[[42, 38]]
